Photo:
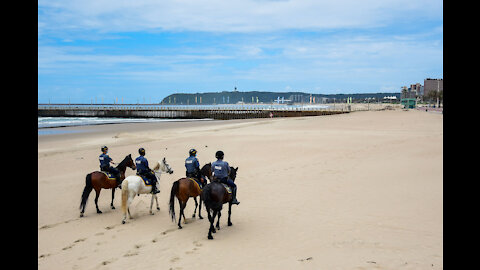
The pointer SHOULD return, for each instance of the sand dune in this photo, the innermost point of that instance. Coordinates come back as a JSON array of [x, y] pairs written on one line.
[[355, 191]]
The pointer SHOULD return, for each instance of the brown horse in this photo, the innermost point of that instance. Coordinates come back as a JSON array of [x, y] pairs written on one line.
[[98, 180], [183, 189], [214, 195]]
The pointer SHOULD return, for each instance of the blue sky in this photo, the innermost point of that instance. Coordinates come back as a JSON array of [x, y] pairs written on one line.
[[144, 50]]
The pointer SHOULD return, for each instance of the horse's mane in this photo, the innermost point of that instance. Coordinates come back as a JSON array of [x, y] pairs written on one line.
[[123, 164]]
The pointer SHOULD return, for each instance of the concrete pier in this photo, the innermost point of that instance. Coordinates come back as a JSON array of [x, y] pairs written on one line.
[[180, 112]]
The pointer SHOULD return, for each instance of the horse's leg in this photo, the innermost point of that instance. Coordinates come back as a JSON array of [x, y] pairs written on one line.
[[218, 221], [229, 214], [183, 212], [182, 206], [97, 193], [196, 205], [151, 204], [200, 209], [208, 214], [113, 196], [156, 200], [211, 229]]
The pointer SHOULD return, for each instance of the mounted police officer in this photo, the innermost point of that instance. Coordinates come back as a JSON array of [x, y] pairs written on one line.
[[105, 161], [193, 166], [143, 170], [221, 170]]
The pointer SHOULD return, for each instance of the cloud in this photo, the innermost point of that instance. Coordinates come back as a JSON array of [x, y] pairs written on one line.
[[228, 16]]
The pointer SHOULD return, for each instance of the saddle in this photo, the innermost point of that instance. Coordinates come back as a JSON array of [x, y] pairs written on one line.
[[110, 176], [197, 182], [227, 187], [147, 181]]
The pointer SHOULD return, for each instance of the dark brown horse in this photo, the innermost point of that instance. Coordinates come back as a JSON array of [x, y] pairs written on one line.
[[214, 195], [183, 189], [98, 180]]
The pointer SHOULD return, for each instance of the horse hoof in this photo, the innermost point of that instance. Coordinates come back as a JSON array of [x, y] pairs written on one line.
[[230, 224], [99, 212], [180, 227], [113, 207], [81, 214], [193, 216], [158, 208], [200, 217], [214, 231], [210, 237], [123, 221]]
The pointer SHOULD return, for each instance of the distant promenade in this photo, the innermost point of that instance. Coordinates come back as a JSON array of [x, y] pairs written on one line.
[[221, 111]]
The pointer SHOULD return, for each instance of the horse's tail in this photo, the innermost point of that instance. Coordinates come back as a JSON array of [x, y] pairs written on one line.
[[206, 195], [124, 195], [86, 191], [175, 188]]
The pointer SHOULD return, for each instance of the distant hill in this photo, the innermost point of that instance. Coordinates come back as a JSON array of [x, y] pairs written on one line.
[[233, 97]]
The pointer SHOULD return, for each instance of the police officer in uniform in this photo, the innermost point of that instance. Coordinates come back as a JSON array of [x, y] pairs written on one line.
[[105, 161], [193, 166], [143, 170], [221, 170]]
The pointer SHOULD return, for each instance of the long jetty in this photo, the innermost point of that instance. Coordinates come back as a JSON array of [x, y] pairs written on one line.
[[221, 112]]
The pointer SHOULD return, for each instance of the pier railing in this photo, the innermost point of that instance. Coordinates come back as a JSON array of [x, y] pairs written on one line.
[[222, 111]]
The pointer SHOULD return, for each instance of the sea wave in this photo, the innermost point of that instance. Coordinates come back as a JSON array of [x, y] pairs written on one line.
[[52, 122]]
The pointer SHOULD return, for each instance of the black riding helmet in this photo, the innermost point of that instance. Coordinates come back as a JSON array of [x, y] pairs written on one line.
[[219, 154], [104, 148], [141, 151], [192, 152]]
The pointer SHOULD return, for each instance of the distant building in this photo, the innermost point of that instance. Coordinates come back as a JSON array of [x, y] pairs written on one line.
[[432, 85], [407, 93], [417, 88], [297, 98]]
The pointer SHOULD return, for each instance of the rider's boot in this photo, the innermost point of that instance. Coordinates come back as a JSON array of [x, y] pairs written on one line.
[[119, 184], [154, 188], [234, 196]]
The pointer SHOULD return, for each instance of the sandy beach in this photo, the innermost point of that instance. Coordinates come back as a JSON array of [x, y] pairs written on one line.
[[361, 190]]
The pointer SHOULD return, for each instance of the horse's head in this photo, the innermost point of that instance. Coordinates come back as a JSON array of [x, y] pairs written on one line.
[[233, 173], [127, 162], [130, 162], [206, 170], [163, 166]]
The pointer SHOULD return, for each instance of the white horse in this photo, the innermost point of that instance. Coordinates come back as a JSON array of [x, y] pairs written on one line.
[[133, 185]]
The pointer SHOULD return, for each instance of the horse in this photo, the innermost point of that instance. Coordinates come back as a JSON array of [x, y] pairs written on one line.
[[98, 180], [214, 195], [183, 189], [134, 185]]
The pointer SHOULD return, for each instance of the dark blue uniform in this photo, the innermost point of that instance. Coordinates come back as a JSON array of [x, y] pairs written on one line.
[[221, 169], [142, 165], [192, 165], [142, 169], [105, 165]]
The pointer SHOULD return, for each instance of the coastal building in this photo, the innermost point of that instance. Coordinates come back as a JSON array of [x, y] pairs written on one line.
[[432, 85], [417, 88]]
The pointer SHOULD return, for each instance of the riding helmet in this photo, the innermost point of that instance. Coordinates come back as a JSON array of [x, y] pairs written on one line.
[[104, 148], [192, 152], [219, 154], [141, 151]]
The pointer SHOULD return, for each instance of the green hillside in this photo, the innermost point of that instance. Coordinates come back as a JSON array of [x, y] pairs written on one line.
[[233, 97]]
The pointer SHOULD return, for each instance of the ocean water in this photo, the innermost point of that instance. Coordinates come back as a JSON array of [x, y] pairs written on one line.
[[54, 122]]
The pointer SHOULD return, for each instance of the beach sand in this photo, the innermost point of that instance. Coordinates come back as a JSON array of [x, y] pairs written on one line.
[[362, 190]]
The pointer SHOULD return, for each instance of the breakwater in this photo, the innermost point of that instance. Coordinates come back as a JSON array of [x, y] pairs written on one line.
[[222, 112]]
